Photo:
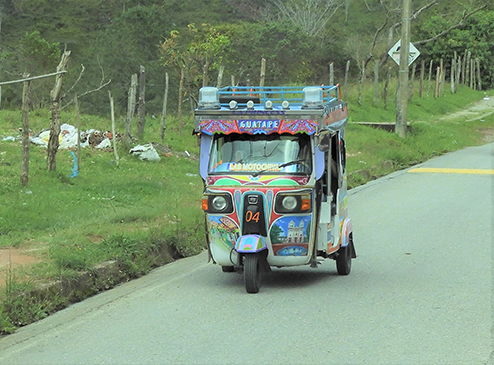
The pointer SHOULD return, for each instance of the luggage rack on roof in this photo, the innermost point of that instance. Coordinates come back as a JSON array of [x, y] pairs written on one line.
[[259, 95]]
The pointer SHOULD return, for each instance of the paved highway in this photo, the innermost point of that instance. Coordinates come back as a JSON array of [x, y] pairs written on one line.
[[420, 292]]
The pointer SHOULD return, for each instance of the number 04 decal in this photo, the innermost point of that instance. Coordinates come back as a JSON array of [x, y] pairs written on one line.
[[249, 216]]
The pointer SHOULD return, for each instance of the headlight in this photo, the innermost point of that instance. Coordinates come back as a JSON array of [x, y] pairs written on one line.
[[219, 203], [295, 202], [289, 203]]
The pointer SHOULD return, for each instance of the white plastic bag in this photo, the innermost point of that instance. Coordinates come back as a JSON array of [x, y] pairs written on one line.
[[146, 152]]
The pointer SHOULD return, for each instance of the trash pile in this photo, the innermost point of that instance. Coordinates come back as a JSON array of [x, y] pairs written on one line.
[[68, 138]]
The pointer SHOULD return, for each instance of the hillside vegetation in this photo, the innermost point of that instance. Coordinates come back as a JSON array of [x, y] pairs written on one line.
[[112, 38]]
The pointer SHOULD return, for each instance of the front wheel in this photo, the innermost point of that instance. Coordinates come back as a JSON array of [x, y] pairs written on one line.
[[344, 260], [252, 273]]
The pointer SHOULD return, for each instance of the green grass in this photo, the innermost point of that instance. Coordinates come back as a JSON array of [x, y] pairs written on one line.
[[424, 109], [128, 212]]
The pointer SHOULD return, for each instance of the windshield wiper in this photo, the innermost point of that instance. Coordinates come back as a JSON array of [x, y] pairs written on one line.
[[299, 161]]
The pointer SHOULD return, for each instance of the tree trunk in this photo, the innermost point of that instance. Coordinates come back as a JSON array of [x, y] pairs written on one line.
[[55, 95], [26, 93], [141, 105], [131, 107]]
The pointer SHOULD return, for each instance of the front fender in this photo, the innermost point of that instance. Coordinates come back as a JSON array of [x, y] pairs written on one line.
[[250, 243]]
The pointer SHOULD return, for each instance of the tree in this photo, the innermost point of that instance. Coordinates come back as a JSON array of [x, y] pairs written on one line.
[[276, 234], [310, 15], [191, 50]]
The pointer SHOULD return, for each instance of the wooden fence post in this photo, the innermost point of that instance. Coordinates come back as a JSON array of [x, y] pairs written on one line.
[[386, 85], [113, 132], [205, 74], [78, 126], [361, 83], [347, 70], [163, 113], [331, 73], [422, 74], [141, 104], [437, 89], [443, 78], [26, 93], [131, 107], [219, 81], [180, 97], [55, 94], [263, 72], [468, 68], [453, 76], [412, 81], [376, 82], [479, 80]]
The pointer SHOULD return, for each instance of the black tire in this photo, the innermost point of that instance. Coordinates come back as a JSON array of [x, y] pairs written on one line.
[[344, 260], [228, 268], [252, 273]]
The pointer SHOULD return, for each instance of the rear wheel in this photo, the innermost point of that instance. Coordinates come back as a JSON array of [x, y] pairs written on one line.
[[344, 260], [252, 273]]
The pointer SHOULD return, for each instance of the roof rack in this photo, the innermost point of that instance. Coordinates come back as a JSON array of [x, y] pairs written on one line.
[[259, 95]]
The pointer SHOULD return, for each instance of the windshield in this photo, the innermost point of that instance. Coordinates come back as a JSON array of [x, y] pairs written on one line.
[[245, 153]]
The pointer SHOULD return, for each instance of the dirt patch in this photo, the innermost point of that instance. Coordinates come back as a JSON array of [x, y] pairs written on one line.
[[12, 258], [487, 134], [478, 111]]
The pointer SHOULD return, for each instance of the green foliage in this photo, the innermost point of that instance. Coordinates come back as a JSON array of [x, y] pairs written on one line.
[[473, 36], [38, 55]]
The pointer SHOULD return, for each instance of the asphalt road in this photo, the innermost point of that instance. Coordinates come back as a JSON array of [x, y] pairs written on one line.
[[420, 292]]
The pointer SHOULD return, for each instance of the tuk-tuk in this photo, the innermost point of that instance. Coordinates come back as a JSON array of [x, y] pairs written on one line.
[[275, 188]]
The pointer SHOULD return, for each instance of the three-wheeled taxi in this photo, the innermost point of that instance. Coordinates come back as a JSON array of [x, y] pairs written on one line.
[[275, 191]]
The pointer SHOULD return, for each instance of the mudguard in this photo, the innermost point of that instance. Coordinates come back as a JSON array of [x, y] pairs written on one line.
[[250, 243], [345, 233]]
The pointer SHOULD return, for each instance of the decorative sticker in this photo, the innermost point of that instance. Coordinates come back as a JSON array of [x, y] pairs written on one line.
[[219, 126], [223, 230], [294, 126], [290, 235], [259, 126]]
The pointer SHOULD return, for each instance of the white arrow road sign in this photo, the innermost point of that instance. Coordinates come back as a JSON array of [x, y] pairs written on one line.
[[394, 53]]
